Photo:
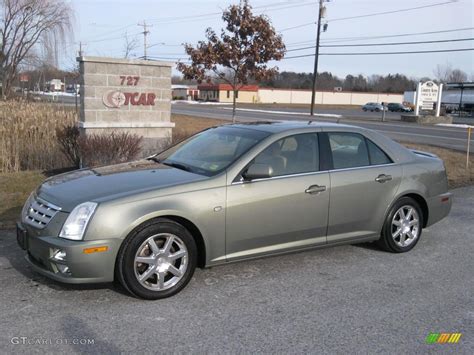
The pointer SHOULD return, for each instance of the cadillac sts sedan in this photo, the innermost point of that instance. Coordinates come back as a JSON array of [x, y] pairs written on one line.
[[231, 193]]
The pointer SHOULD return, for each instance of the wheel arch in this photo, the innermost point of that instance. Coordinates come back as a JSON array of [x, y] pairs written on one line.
[[186, 223], [197, 235], [423, 205]]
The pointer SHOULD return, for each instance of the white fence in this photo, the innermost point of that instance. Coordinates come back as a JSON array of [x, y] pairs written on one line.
[[284, 96]]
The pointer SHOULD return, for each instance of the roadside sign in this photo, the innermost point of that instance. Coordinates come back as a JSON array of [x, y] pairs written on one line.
[[427, 105], [427, 94]]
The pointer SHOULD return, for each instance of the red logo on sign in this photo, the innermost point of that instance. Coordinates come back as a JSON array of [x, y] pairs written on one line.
[[116, 98]]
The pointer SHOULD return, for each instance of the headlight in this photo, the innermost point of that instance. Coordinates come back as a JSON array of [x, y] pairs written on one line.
[[26, 207], [77, 220]]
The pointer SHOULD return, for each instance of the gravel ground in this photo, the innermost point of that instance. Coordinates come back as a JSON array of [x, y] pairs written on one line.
[[349, 299]]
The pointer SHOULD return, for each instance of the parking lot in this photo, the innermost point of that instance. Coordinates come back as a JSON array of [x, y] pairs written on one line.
[[349, 299]]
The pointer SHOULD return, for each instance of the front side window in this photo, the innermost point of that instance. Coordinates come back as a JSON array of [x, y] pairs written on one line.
[[292, 155], [349, 150], [212, 150]]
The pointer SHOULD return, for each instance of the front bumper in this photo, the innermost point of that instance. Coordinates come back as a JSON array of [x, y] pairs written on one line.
[[81, 267]]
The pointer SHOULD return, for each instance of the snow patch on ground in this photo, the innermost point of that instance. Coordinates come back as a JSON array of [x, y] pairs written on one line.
[[465, 126], [287, 113], [199, 103]]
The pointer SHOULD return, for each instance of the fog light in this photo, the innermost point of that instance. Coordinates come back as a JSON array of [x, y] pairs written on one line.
[[59, 255], [63, 269]]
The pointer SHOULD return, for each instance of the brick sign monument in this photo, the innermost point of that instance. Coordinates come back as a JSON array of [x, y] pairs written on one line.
[[126, 95]]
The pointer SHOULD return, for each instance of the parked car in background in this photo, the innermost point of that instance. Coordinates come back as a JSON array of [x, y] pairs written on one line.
[[231, 193], [396, 107], [373, 106]]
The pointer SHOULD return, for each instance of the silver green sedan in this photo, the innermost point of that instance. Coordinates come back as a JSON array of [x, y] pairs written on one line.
[[231, 193]]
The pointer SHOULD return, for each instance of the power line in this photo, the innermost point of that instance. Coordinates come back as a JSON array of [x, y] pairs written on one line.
[[384, 53], [383, 44], [350, 39], [393, 11], [109, 39], [370, 15], [274, 7]]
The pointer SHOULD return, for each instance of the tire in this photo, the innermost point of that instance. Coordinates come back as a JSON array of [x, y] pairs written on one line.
[[169, 256], [401, 236], [377, 110]]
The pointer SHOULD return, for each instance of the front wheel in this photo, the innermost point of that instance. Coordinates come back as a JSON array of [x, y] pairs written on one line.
[[402, 227], [157, 261]]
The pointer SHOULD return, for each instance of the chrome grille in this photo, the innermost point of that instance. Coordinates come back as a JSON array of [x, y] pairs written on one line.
[[40, 213]]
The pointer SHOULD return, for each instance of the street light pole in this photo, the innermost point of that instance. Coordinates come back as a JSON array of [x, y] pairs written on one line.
[[316, 56]]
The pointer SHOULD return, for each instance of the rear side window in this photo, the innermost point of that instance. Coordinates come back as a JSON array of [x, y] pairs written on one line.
[[353, 150], [349, 150], [377, 155]]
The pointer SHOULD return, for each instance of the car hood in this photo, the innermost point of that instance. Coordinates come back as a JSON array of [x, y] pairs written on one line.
[[70, 189]]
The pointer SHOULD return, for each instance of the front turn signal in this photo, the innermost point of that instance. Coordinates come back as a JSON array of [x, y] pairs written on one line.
[[92, 250]]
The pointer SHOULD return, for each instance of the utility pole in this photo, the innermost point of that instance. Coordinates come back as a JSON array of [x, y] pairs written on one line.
[[321, 12], [145, 33], [80, 49]]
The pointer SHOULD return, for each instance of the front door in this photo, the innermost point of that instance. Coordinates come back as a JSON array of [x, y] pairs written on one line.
[[286, 211]]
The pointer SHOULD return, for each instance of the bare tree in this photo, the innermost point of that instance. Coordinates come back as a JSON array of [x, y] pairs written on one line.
[[457, 76], [446, 74], [129, 46], [442, 71], [241, 52], [25, 24]]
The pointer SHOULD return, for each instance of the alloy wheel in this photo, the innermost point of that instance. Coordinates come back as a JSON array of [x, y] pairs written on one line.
[[161, 261], [405, 226]]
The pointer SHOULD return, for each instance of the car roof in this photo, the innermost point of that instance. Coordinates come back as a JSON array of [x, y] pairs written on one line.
[[282, 126]]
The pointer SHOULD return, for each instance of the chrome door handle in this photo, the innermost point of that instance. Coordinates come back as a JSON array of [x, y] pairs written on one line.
[[315, 189], [383, 178]]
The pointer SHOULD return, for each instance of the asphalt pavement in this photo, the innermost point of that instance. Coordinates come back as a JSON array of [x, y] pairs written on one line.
[[350, 299], [454, 138]]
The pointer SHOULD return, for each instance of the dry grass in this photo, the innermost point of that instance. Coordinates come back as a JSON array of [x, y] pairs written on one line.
[[28, 135], [454, 161], [188, 125], [14, 190]]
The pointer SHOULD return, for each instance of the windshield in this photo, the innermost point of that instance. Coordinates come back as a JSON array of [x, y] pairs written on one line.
[[211, 151]]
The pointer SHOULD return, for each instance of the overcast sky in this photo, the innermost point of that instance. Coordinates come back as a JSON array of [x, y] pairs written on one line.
[[101, 25]]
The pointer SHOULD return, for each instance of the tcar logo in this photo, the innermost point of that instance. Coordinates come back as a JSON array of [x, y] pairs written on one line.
[[116, 99], [113, 99]]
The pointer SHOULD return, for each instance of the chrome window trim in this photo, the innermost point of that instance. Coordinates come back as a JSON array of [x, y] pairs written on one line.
[[363, 167], [280, 177], [311, 173]]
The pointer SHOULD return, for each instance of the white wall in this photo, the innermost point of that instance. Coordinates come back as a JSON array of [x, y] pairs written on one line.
[[284, 96]]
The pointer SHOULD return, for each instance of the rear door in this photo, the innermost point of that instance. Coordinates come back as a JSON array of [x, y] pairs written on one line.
[[364, 181]]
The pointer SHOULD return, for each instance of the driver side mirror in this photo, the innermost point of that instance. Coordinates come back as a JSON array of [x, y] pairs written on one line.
[[258, 171]]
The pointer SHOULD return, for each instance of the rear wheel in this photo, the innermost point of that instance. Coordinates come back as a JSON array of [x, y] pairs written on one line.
[[157, 261], [402, 227]]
